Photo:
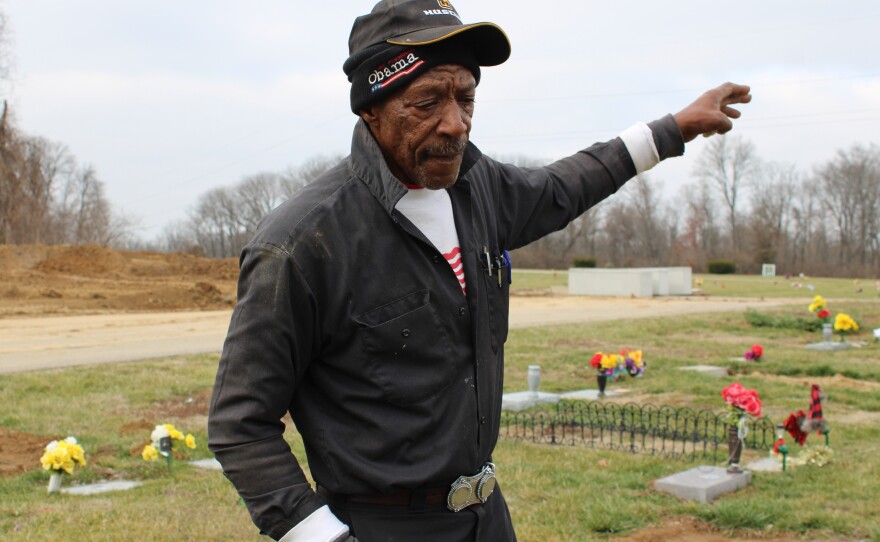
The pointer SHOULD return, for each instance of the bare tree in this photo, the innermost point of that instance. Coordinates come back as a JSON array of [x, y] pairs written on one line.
[[771, 218], [850, 189], [728, 163], [295, 178], [257, 195], [700, 238]]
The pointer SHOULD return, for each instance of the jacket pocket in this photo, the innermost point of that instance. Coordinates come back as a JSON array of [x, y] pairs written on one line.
[[407, 349]]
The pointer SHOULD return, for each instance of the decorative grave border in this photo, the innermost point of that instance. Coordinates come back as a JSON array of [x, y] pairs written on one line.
[[675, 432]]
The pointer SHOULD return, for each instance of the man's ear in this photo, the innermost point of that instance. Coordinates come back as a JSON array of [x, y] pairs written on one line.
[[370, 116]]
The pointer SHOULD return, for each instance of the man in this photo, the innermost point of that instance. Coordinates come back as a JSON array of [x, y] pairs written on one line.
[[373, 304]]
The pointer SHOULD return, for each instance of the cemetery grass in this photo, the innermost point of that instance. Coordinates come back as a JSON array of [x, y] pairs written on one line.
[[555, 493], [525, 280]]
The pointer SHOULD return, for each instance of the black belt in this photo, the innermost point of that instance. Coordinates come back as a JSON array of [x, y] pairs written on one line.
[[401, 498], [464, 492]]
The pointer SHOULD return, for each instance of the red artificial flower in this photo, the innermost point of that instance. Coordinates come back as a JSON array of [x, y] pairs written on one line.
[[757, 350], [824, 313], [742, 398], [596, 361], [780, 442]]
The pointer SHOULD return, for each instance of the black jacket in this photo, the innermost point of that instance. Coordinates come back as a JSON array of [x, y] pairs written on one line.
[[353, 322]]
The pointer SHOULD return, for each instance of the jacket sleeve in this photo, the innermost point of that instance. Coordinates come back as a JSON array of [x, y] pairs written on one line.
[[266, 352], [534, 202]]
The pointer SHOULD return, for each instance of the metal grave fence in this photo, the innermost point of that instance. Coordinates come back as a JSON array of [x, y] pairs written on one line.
[[676, 432]]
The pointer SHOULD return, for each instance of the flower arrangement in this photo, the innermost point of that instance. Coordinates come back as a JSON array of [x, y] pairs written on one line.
[[844, 325], [162, 442], [605, 364], [60, 457], [63, 455], [754, 353], [742, 403], [818, 304], [631, 362], [634, 362]]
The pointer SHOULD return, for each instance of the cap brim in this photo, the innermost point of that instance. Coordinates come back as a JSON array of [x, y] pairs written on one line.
[[491, 45]]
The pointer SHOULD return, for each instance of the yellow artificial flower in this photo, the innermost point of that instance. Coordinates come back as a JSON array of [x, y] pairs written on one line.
[[46, 460], [636, 356], [817, 304], [150, 453], [609, 361], [62, 455], [844, 322], [173, 432], [77, 454], [190, 442]]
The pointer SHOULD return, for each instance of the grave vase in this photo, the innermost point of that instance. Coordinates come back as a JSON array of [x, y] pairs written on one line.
[[734, 446], [826, 332], [601, 380], [534, 378], [54, 483]]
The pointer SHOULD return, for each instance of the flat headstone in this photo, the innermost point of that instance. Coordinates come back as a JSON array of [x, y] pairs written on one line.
[[210, 464], [525, 399], [590, 395], [711, 370], [100, 487], [829, 346], [703, 484], [765, 464]]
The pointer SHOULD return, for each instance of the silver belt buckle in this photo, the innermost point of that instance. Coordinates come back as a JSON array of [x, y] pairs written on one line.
[[468, 490]]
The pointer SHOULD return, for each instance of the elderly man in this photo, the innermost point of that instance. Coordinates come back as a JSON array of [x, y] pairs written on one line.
[[373, 304]]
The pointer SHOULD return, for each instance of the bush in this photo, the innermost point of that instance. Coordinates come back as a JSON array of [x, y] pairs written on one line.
[[721, 267], [585, 262], [758, 319]]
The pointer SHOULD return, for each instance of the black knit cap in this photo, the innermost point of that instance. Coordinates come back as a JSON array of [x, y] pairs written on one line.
[[400, 39]]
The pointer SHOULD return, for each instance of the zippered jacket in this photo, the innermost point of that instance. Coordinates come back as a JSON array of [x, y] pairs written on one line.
[[350, 320]]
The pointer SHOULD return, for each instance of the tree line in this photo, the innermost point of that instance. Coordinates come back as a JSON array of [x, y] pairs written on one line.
[[45, 195], [736, 207]]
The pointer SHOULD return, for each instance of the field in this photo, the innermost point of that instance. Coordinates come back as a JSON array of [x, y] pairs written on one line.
[[555, 492]]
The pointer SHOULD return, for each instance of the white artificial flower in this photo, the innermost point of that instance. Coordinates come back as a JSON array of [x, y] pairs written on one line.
[[70, 440], [877, 333], [51, 446], [158, 433]]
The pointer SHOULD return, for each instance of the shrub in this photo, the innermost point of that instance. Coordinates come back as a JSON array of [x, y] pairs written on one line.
[[585, 262], [758, 319], [721, 267]]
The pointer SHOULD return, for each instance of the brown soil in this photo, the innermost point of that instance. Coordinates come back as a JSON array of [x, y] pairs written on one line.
[[20, 452], [59, 280]]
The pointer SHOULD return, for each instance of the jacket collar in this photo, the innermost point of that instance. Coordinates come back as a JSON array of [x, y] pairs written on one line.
[[367, 164]]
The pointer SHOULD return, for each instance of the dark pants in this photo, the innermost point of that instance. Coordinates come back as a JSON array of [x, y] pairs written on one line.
[[489, 522]]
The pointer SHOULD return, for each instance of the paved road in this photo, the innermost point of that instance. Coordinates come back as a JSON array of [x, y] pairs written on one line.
[[29, 344]]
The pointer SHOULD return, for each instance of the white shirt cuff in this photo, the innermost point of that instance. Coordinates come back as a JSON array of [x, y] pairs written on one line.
[[320, 526], [639, 141]]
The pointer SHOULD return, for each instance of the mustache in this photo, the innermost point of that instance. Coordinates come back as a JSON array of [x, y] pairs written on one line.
[[446, 148]]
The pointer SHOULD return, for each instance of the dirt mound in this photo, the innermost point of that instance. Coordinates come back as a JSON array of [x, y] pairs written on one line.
[[20, 452], [89, 279], [81, 260]]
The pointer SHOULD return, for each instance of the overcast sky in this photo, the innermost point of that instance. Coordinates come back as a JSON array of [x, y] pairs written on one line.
[[169, 99]]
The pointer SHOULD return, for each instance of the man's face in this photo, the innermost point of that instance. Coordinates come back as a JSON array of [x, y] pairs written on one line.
[[423, 129]]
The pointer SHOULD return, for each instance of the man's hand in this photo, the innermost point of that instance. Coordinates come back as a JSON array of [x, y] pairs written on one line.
[[711, 112]]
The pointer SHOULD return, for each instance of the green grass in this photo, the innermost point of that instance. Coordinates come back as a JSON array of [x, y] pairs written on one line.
[[555, 493], [530, 280], [757, 286], [730, 285]]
